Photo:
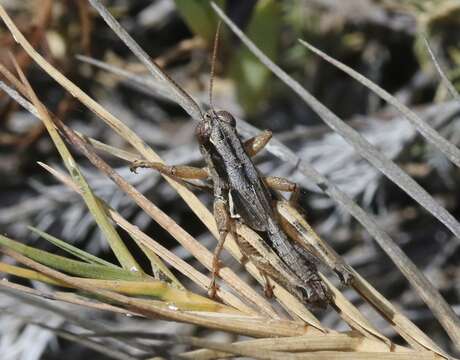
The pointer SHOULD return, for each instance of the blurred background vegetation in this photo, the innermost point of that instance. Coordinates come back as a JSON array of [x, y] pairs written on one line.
[[379, 38]]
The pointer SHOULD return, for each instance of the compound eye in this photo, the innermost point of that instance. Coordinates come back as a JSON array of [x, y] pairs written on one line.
[[226, 117]]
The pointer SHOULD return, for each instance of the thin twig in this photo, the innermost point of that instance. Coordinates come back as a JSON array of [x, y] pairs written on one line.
[[445, 80], [434, 137], [180, 96]]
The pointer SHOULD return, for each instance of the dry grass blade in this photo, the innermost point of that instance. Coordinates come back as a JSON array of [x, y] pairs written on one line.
[[152, 85], [252, 352], [180, 96], [251, 326], [438, 305], [64, 297], [172, 259], [99, 347], [339, 342], [307, 237], [270, 348], [40, 300], [449, 149], [121, 252], [445, 80]]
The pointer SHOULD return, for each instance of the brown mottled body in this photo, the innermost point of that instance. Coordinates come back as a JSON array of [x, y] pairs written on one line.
[[238, 184], [242, 196]]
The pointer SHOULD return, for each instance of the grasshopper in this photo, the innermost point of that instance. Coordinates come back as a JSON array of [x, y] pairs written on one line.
[[243, 196]]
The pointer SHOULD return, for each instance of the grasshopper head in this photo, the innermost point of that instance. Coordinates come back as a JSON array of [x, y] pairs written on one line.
[[212, 120]]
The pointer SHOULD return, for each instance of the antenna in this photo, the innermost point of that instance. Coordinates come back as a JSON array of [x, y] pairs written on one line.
[[213, 64]]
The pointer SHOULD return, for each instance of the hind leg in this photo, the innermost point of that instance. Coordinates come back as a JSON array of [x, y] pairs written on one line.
[[249, 253]]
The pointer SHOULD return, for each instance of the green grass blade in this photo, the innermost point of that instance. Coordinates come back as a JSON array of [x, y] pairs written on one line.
[[120, 250], [70, 266], [89, 258]]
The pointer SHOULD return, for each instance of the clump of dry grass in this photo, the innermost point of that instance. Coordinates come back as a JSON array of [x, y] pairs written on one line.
[[295, 333]]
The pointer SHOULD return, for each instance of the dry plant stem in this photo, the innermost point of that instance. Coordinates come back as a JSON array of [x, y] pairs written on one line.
[[337, 342], [250, 326], [186, 269], [425, 289], [306, 236], [116, 244], [445, 80], [105, 347], [265, 352], [65, 297], [180, 96], [41, 299], [256, 353]]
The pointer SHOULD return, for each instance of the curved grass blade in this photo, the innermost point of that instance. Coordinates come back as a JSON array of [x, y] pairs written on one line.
[[445, 80]]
